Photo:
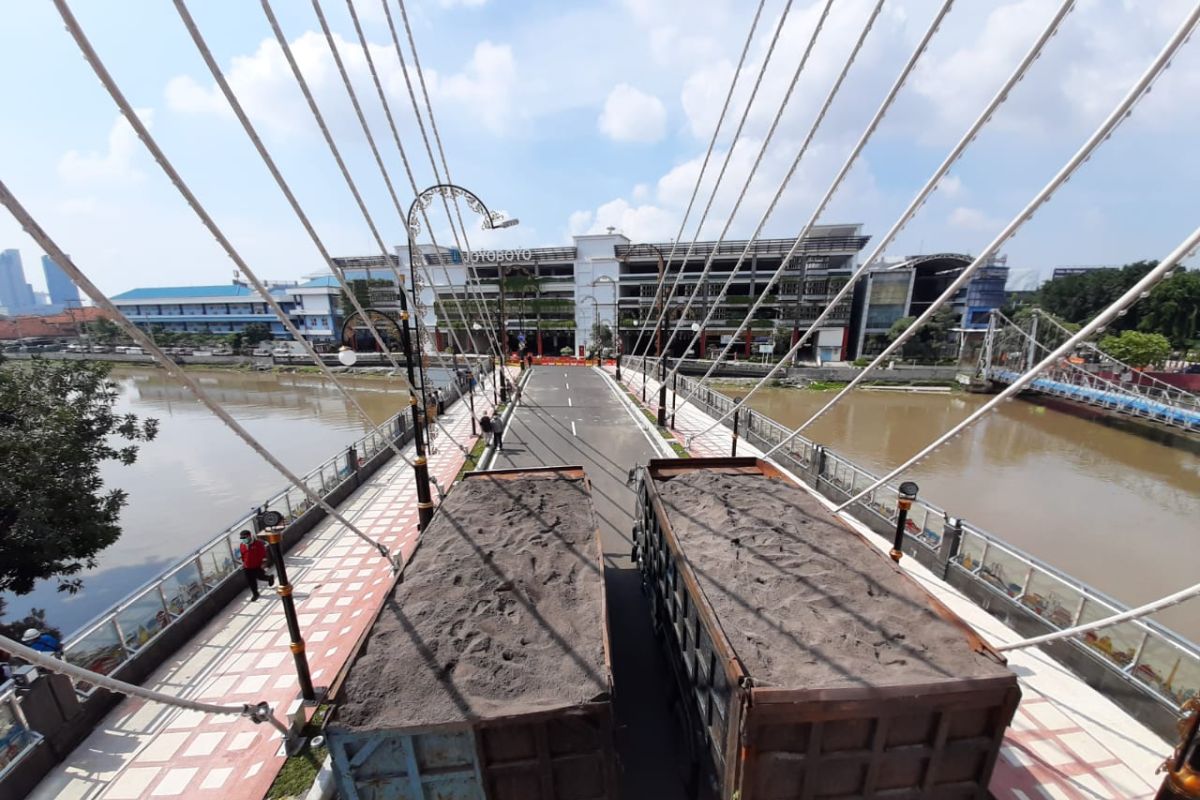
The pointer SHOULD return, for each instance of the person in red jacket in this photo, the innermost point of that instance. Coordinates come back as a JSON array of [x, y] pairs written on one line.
[[254, 553]]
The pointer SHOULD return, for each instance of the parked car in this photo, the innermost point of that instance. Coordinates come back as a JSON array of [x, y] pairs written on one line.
[[100, 348]]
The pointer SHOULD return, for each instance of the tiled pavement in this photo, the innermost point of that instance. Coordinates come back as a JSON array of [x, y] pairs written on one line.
[[1066, 741], [144, 749]]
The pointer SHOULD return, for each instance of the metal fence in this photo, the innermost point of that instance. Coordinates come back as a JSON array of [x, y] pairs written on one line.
[[1147, 656], [16, 737]]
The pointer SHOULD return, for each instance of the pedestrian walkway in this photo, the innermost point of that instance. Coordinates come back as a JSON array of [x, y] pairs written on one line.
[[1066, 741], [144, 749]]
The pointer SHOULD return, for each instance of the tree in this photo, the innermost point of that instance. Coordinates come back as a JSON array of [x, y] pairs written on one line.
[[103, 330], [57, 426], [254, 333], [362, 293], [931, 339], [602, 336], [1173, 309], [36, 618], [1137, 349]]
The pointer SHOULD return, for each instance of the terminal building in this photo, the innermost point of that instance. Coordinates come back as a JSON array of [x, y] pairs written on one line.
[[313, 306], [548, 299]]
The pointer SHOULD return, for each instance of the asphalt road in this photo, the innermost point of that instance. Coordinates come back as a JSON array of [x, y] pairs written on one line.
[[571, 415]]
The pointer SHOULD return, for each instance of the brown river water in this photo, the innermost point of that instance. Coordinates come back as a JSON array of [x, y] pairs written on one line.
[[1111, 508]]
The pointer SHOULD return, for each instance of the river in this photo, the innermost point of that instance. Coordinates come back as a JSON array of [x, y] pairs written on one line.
[[197, 477], [1111, 508]]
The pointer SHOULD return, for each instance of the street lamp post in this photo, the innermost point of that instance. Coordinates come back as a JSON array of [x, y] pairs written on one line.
[[616, 318], [907, 494], [272, 521], [420, 466]]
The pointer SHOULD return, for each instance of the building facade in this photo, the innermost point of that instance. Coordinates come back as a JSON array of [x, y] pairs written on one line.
[[549, 299], [16, 296], [63, 292], [312, 306], [891, 292]]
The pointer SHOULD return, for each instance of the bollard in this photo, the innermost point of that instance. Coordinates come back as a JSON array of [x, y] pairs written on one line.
[[908, 493], [1183, 766]]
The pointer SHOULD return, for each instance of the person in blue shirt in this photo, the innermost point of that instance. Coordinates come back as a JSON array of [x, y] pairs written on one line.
[[42, 642]]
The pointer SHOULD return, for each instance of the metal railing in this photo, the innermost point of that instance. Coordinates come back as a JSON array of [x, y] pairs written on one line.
[[1153, 659], [17, 739]]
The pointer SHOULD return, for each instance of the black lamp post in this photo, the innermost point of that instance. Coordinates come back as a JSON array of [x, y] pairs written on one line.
[[908, 493], [271, 521], [420, 465]]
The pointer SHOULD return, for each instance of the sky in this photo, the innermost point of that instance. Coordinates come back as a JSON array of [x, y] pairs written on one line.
[[576, 116]]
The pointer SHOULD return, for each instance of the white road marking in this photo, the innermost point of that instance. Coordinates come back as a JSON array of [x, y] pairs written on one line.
[[568, 401], [573, 433], [568, 385]]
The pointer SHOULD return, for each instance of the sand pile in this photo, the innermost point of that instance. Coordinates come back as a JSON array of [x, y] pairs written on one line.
[[804, 601], [500, 612]]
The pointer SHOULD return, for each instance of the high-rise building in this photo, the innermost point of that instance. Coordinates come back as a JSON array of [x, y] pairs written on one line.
[[63, 293], [16, 296]]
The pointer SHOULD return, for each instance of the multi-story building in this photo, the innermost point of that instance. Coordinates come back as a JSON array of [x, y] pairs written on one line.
[[16, 296], [548, 299], [313, 306], [63, 292], [907, 288]]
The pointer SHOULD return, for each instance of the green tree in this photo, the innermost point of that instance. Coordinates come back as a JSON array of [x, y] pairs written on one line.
[[36, 618], [103, 331], [1173, 309], [1136, 348], [932, 341], [58, 424], [602, 336], [254, 333], [362, 293]]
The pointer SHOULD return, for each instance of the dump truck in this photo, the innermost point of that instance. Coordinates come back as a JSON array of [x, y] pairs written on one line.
[[486, 673], [806, 663]]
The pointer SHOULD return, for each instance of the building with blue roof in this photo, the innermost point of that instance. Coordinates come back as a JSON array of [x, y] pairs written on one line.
[[312, 306]]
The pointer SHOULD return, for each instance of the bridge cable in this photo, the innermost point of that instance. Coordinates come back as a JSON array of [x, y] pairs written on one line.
[[708, 154], [388, 258], [258, 712], [383, 171], [704, 272], [917, 202], [1139, 290], [812, 131], [31, 227], [1121, 112], [272, 167], [889, 98], [465, 245]]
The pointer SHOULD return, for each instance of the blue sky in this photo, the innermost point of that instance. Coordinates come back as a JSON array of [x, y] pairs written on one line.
[[577, 116]]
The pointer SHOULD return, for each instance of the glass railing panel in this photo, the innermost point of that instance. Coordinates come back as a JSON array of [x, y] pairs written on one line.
[[1005, 571], [1168, 669], [99, 650], [930, 522], [15, 737], [862, 482], [218, 560], [143, 618], [883, 500], [971, 551], [1052, 599], [1116, 643], [183, 588]]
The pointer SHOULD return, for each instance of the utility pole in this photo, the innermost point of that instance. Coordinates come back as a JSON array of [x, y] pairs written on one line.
[[1031, 356]]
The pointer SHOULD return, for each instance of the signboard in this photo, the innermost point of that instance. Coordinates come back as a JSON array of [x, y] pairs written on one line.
[[496, 256], [766, 349]]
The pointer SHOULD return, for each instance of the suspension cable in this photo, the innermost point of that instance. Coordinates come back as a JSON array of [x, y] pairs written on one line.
[[708, 262], [383, 171], [919, 200], [30, 225], [464, 245], [1122, 111], [336, 152], [1137, 291], [708, 153], [812, 132], [272, 167], [258, 712]]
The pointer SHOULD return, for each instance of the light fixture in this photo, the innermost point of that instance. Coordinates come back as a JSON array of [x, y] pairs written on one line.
[[695, 327], [475, 326], [507, 223], [347, 357]]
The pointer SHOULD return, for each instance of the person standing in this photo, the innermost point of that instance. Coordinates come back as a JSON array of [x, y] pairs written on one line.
[[254, 553], [441, 401], [498, 434]]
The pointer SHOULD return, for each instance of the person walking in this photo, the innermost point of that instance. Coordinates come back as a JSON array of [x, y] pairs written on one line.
[[440, 396], [498, 434], [485, 425], [254, 553]]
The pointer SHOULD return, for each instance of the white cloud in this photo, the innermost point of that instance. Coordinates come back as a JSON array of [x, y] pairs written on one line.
[[972, 219], [116, 164], [631, 115], [950, 186], [639, 223], [461, 3], [486, 85]]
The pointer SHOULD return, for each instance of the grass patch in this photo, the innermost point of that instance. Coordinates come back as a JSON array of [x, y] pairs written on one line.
[[680, 450], [300, 770], [473, 457]]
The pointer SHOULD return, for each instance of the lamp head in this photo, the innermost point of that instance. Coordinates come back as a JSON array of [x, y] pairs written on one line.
[[506, 223], [908, 491], [347, 357]]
